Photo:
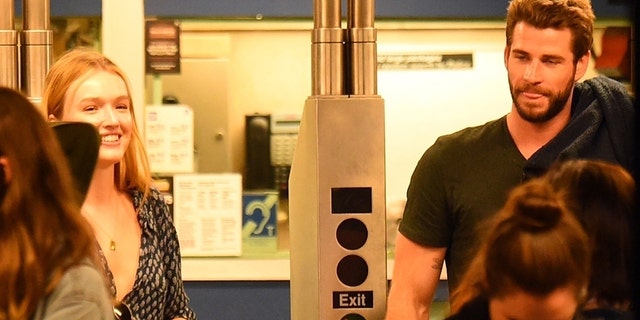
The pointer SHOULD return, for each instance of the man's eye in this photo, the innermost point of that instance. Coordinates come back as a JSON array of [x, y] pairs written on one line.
[[90, 108]]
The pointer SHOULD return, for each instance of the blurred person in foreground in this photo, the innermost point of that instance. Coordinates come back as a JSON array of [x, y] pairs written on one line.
[[533, 263], [49, 267]]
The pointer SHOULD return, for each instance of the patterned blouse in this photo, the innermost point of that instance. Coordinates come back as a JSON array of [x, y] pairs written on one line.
[[158, 291]]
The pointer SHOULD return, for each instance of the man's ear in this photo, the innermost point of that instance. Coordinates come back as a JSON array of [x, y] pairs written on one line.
[[581, 66], [507, 52]]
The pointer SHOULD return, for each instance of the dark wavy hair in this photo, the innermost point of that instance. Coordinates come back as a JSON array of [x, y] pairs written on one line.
[[42, 233], [577, 15]]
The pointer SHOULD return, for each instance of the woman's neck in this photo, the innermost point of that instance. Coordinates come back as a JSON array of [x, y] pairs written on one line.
[[102, 188]]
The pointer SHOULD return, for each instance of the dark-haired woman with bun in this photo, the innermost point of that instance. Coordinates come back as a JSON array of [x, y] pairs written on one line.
[[533, 263]]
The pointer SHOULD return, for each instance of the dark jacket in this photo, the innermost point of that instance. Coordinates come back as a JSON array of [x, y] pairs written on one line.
[[602, 126]]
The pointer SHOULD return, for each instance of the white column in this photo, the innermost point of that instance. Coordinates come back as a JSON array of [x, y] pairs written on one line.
[[123, 26]]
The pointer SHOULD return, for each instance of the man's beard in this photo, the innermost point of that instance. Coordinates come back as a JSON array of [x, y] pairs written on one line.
[[557, 101]]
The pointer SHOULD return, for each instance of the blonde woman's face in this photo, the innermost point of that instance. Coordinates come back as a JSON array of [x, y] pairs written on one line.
[[101, 99], [560, 304]]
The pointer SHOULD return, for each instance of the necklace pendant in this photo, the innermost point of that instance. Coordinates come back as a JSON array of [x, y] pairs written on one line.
[[112, 245]]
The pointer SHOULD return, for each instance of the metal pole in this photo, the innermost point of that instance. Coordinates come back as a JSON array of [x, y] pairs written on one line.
[[362, 48], [8, 46], [36, 48], [327, 57]]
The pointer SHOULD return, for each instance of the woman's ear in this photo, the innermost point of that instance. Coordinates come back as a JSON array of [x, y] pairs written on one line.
[[5, 175], [52, 118]]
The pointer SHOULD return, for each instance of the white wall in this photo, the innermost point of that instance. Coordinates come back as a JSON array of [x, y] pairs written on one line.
[[424, 104], [123, 42]]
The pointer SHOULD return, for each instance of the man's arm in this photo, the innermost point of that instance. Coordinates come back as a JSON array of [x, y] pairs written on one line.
[[416, 272]]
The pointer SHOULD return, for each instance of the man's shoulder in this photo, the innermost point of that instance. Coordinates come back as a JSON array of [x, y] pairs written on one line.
[[475, 134], [468, 142], [611, 94], [600, 82]]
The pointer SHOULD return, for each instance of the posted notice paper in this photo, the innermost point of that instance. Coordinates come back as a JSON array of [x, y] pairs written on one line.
[[169, 138], [208, 213]]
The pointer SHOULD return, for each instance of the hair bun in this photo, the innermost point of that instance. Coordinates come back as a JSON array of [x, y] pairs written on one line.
[[536, 206]]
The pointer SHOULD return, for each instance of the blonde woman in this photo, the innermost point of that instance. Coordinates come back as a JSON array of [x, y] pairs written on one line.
[[137, 239]]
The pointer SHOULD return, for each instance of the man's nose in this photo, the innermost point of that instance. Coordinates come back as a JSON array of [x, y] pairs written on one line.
[[531, 72]]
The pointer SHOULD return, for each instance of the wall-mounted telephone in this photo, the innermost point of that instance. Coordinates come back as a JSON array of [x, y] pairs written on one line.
[[284, 135], [258, 170]]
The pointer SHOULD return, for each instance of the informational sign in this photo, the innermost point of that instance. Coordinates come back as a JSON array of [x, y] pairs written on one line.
[[208, 213], [162, 46], [260, 221], [422, 61], [169, 135]]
